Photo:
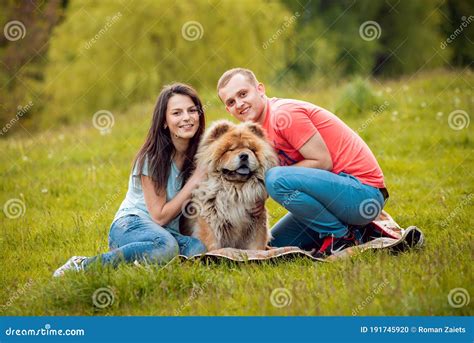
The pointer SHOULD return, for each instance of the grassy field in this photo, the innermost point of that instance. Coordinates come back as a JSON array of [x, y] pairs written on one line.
[[60, 189]]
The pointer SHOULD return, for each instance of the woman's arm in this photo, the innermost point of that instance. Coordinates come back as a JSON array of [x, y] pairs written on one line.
[[163, 212]]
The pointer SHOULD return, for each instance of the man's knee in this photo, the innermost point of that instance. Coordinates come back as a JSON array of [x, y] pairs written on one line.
[[272, 184]]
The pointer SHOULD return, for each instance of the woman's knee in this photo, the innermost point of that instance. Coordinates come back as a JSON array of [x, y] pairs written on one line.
[[195, 247], [164, 248]]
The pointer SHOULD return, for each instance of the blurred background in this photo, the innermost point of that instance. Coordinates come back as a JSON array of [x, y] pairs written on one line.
[[62, 61]]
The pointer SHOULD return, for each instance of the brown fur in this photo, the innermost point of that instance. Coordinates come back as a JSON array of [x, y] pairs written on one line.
[[233, 188]]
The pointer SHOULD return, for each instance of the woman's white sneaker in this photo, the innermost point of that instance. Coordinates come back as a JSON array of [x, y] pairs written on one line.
[[74, 263]]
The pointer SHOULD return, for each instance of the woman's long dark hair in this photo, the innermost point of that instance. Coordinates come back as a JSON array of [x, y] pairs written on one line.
[[158, 147]]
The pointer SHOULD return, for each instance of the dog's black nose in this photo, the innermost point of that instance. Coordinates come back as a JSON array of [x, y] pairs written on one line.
[[243, 156]]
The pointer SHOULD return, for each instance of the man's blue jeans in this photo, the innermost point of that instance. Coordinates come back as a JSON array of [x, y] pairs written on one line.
[[320, 203], [135, 238]]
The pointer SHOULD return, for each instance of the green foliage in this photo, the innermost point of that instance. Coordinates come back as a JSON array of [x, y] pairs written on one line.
[[357, 98], [108, 57]]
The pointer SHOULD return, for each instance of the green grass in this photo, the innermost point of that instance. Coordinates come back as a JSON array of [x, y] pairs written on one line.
[[72, 180]]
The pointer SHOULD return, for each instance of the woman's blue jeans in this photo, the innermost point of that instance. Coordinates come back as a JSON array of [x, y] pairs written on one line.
[[320, 203], [136, 238]]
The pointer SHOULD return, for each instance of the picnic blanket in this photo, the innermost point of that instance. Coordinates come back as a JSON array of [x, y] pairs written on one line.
[[382, 233]]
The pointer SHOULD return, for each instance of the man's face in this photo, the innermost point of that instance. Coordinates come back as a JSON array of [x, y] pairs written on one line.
[[243, 99]]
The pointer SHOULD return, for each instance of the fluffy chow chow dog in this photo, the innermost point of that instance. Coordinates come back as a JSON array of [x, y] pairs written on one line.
[[236, 158]]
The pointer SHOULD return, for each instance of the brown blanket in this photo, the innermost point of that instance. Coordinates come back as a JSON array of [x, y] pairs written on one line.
[[382, 233]]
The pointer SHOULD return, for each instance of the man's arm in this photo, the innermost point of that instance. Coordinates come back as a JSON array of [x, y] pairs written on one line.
[[315, 153]]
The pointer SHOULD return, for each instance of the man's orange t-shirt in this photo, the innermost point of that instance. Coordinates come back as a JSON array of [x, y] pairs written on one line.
[[291, 123]]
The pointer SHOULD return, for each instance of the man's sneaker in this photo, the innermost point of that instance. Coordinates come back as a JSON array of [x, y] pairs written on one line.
[[74, 263], [333, 245]]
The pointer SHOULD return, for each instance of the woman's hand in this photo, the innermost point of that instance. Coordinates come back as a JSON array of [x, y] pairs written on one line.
[[199, 175]]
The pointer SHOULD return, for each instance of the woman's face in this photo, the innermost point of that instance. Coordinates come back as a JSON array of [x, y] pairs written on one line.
[[182, 117]]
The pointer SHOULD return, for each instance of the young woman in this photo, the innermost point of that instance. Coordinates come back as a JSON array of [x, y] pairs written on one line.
[[146, 226]]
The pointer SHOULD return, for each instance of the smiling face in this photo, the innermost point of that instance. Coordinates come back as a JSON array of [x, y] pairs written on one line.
[[182, 116], [244, 99], [236, 152]]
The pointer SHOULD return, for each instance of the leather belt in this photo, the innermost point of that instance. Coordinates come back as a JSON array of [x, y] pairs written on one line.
[[384, 193]]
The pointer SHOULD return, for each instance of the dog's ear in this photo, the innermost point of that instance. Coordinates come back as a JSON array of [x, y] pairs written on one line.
[[217, 130], [256, 129]]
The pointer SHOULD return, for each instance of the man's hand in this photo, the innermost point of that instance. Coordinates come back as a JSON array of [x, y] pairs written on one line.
[[258, 209]]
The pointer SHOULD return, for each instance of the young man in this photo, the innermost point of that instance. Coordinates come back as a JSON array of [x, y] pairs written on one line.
[[329, 179]]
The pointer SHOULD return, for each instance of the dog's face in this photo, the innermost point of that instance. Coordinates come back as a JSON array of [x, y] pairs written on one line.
[[236, 152]]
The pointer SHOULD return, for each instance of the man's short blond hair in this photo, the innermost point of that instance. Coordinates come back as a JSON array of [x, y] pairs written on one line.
[[225, 78]]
